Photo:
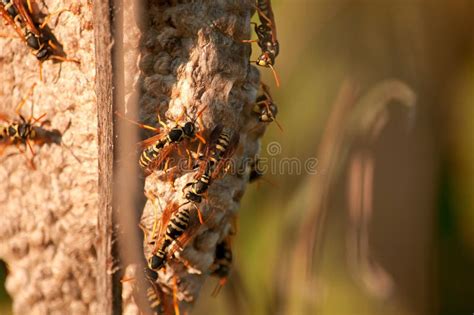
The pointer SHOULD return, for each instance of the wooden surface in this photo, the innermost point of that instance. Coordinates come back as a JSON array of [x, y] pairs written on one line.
[[105, 99], [48, 229]]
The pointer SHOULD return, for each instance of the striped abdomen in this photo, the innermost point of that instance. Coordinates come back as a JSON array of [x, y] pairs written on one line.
[[154, 300], [199, 187], [221, 146], [178, 224], [151, 153]]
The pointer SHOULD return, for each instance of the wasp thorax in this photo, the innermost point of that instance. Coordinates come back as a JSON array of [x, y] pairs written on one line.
[[175, 134], [32, 41], [193, 197]]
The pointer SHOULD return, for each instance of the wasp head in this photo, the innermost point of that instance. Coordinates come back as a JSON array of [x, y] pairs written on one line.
[[43, 54], [265, 59], [189, 129]]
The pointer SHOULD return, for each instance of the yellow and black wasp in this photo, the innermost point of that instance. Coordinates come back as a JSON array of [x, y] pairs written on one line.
[[38, 41], [223, 142], [157, 148], [265, 108], [26, 131], [222, 263], [176, 220], [266, 37]]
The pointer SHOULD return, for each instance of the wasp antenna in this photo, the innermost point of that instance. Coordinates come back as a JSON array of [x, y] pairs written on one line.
[[35, 120], [185, 112], [160, 121], [136, 123], [278, 125], [275, 75], [200, 112], [46, 20], [24, 99]]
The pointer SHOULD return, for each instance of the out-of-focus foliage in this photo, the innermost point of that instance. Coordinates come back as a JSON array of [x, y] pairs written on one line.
[[421, 228]]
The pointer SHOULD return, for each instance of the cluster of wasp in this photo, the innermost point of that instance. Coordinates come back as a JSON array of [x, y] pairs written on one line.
[[43, 45], [221, 143], [175, 222]]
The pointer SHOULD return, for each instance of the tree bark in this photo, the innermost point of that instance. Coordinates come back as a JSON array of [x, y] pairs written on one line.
[[49, 215]]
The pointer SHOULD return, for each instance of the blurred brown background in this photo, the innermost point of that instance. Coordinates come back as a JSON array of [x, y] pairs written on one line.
[[412, 252]]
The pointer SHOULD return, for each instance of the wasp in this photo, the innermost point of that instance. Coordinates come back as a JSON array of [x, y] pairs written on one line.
[[266, 37], [222, 263], [34, 35], [153, 155], [157, 148], [177, 225], [265, 108], [154, 300], [16, 132], [222, 145], [255, 171], [153, 292], [26, 131]]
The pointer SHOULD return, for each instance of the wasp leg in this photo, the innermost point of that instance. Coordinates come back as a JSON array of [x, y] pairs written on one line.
[[46, 20], [24, 99], [175, 297]]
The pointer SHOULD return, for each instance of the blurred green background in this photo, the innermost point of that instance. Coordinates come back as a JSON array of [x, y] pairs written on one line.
[[415, 248], [418, 255]]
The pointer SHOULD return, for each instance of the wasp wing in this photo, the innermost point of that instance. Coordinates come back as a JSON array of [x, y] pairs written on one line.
[[268, 18], [163, 224], [152, 140], [10, 21], [227, 155], [25, 14]]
